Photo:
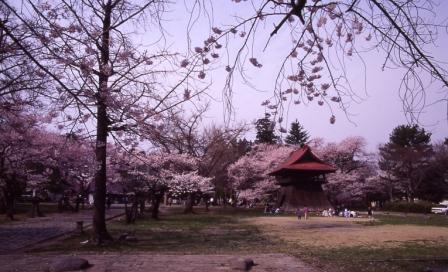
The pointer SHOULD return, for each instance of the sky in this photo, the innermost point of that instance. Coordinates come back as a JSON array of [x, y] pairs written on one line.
[[378, 110], [373, 115]]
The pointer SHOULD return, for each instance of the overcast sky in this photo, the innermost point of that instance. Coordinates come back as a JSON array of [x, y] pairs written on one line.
[[375, 113], [379, 107]]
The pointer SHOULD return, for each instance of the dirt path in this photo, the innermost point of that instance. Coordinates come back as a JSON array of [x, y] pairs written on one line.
[[140, 262], [337, 232]]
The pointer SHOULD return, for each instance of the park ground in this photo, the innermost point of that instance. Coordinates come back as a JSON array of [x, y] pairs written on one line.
[[213, 240]]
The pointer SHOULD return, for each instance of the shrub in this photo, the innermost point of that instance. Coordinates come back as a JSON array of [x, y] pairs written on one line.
[[403, 206]]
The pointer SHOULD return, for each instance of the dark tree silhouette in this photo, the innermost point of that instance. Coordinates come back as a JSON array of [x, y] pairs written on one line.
[[406, 157], [265, 130], [297, 134]]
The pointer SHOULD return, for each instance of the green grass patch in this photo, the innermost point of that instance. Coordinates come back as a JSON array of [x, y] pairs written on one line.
[[410, 256], [412, 219], [221, 231], [201, 233]]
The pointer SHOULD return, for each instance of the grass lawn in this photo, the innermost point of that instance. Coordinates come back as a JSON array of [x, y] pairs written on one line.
[[412, 219], [215, 232], [390, 243]]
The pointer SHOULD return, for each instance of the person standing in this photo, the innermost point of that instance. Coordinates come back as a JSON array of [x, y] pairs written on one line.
[[369, 212], [299, 213], [346, 213], [305, 212]]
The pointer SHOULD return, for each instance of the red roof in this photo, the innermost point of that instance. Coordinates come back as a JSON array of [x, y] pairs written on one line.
[[303, 160]]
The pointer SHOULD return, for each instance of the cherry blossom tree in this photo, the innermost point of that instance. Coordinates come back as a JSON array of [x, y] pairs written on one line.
[[354, 182], [16, 131], [178, 133], [249, 174], [69, 161], [220, 147], [161, 170], [33, 158], [101, 76], [188, 186], [214, 147], [158, 173]]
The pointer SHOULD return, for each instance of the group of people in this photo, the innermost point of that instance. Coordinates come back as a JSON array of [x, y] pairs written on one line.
[[270, 209], [328, 213], [302, 212]]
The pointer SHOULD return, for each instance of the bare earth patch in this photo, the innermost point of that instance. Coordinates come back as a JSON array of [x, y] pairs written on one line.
[[338, 232]]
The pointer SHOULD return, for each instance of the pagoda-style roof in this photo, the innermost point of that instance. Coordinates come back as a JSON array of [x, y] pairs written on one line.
[[303, 161]]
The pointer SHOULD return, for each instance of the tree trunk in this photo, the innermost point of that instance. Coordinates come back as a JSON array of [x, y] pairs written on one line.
[[142, 207], [77, 204], [35, 208], [83, 202], [2, 206], [100, 233], [131, 213], [410, 193], [155, 206], [391, 194], [9, 207], [224, 200], [189, 204]]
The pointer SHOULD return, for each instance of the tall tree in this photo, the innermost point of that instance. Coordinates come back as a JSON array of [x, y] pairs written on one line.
[[16, 135], [406, 156], [297, 134], [353, 181], [214, 147], [101, 77], [435, 185], [265, 130], [249, 174]]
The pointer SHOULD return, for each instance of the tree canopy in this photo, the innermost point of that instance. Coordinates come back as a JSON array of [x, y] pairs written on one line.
[[265, 130], [408, 161], [297, 134]]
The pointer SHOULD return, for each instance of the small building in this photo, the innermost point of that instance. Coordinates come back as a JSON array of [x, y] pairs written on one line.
[[301, 177]]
